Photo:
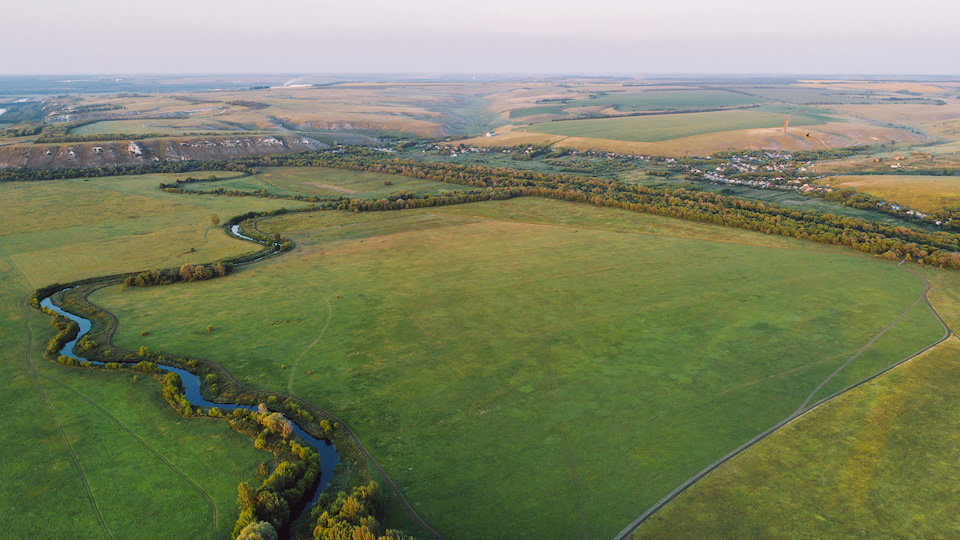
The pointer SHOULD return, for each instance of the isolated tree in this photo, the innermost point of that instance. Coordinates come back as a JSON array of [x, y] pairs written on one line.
[[258, 530], [214, 220], [247, 497], [278, 424]]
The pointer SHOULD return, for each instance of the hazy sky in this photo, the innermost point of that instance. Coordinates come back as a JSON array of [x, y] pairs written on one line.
[[486, 36]]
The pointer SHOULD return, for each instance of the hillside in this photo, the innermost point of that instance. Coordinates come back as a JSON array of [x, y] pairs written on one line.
[[99, 154]]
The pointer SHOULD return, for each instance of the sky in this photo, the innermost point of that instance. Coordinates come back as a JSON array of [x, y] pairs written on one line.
[[488, 36]]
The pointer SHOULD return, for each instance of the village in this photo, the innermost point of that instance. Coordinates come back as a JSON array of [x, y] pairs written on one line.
[[767, 170]]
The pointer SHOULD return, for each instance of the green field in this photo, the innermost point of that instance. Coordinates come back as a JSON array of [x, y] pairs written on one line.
[[660, 100], [73, 229], [665, 100], [533, 111], [151, 126], [288, 181], [569, 364], [136, 455], [671, 126], [880, 461]]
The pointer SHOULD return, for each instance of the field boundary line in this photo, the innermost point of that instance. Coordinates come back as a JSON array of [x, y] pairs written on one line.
[[28, 352], [165, 461], [948, 332], [407, 507], [865, 347], [293, 370]]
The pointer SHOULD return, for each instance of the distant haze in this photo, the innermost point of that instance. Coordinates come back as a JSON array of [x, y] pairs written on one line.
[[490, 36]]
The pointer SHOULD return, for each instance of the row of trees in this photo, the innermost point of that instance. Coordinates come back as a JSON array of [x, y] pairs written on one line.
[[286, 488], [187, 272], [936, 248], [351, 516], [272, 505]]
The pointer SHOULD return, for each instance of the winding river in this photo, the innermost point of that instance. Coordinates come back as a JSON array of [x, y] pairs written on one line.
[[191, 386]]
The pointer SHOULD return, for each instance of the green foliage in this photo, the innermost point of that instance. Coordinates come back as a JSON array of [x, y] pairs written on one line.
[[22, 113], [173, 393], [187, 272], [351, 515], [258, 530], [288, 484]]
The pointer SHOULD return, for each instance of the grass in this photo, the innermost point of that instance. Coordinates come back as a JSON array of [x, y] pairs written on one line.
[[533, 111], [925, 193], [113, 224], [330, 183], [646, 101], [64, 230], [135, 490], [546, 345], [672, 126], [879, 461], [788, 199], [665, 100], [151, 127]]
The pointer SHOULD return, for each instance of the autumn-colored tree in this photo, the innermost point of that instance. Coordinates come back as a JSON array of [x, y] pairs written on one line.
[[247, 495], [258, 530]]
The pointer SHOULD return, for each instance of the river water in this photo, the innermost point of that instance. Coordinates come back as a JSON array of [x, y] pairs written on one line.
[[191, 386]]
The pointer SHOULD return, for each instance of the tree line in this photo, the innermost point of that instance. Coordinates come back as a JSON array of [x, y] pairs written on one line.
[[187, 272], [937, 248]]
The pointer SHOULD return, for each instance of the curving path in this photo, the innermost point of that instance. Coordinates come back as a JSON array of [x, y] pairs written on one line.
[[804, 408], [293, 369], [165, 461]]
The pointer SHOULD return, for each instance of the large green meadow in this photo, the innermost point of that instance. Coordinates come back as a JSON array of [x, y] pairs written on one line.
[[322, 182], [664, 100], [151, 126], [147, 471], [672, 126], [650, 100], [534, 368], [880, 461]]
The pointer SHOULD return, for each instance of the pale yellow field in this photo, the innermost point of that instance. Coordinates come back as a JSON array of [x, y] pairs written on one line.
[[831, 135], [907, 114], [926, 193], [882, 86]]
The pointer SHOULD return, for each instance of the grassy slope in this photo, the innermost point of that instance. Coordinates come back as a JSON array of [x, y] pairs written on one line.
[[672, 126], [318, 181], [666, 100], [650, 355], [151, 126], [881, 461], [132, 487]]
